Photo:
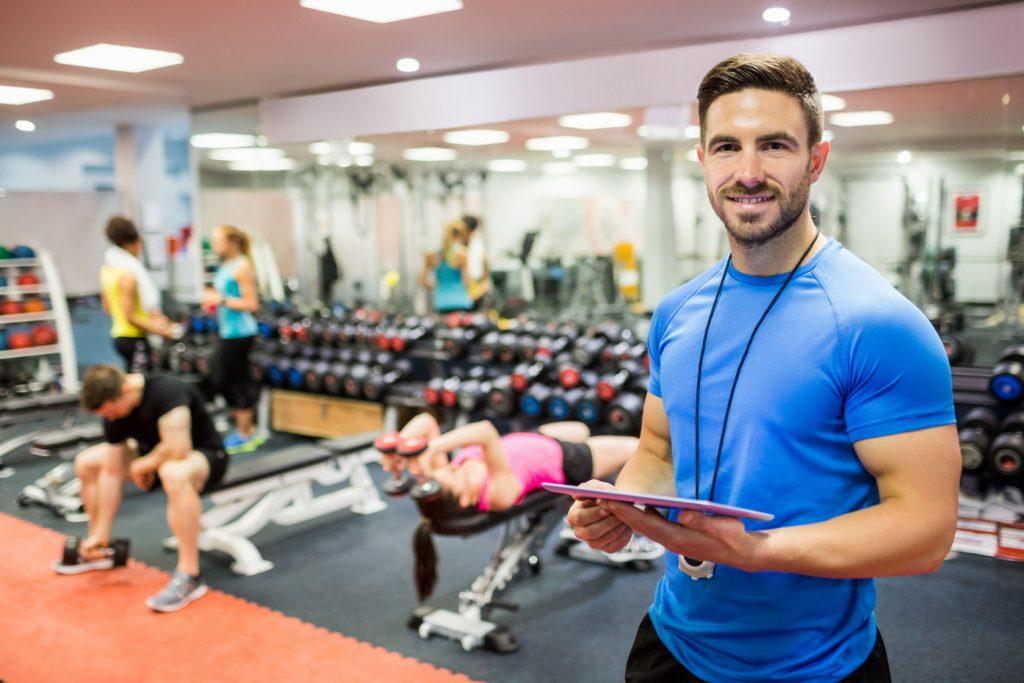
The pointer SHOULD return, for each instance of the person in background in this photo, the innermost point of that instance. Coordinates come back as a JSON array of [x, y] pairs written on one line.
[[445, 272], [235, 299], [478, 271], [130, 297]]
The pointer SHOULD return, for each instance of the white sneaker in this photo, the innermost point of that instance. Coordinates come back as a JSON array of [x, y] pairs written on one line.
[[81, 567]]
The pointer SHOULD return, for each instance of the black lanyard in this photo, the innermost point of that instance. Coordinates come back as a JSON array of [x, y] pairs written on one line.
[[736, 379]]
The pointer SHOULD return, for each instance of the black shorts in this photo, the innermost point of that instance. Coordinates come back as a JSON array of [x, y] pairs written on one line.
[[577, 462], [231, 373], [651, 662], [217, 459], [134, 352]]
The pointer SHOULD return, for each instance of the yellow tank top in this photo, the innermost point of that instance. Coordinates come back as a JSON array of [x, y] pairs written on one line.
[[110, 285]]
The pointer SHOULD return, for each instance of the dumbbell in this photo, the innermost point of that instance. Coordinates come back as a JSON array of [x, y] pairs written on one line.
[[526, 374], [426, 490], [562, 403], [957, 351], [508, 347], [117, 550], [502, 397], [625, 413], [1007, 451], [450, 392], [259, 363], [353, 382], [1007, 380], [313, 379], [380, 379], [295, 376], [587, 351], [976, 432], [589, 408], [457, 341], [432, 391], [204, 361], [421, 329], [571, 376], [609, 386], [387, 444], [472, 394], [334, 380], [488, 346], [533, 403], [277, 373]]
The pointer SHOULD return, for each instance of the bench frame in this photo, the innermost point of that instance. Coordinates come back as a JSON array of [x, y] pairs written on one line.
[[239, 512]]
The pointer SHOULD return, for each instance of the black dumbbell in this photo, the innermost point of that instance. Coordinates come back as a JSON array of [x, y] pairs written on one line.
[[313, 379], [502, 397], [334, 380], [259, 363], [508, 347], [450, 392], [526, 374], [957, 350], [976, 432], [382, 377], [587, 351], [472, 394], [353, 382], [117, 550], [432, 391], [625, 413], [1007, 379], [1007, 451], [589, 408], [488, 346], [426, 490], [296, 376], [533, 403], [609, 386], [563, 402], [387, 444]]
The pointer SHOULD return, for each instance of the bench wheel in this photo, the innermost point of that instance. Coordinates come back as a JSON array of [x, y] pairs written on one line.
[[23, 500], [535, 564], [468, 643], [424, 631], [501, 640]]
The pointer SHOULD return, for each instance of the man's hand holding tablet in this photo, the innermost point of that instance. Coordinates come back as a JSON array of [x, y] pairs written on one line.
[[609, 524]]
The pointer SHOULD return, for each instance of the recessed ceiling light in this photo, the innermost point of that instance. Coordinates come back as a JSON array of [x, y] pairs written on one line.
[[691, 132], [832, 103], [654, 132], [246, 153], [408, 65], [119, 58], [263, 165], [633, 163], [561, 153], [692, 155], [383, 12], [364, 160], [904, 157], [559, 167], [776, 15], [25, 126], [361, 148], [560, 142], [319, 148], [827, 136], [476, 137], [429, 154], [11, 94], [849, 119], [595, 120], [594, 160], [506, 165], [222, 140]]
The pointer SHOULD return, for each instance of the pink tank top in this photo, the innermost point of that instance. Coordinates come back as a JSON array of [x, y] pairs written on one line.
[[534, 459]]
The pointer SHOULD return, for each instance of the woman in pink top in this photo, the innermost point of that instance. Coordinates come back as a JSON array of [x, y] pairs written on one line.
[[493, 472]]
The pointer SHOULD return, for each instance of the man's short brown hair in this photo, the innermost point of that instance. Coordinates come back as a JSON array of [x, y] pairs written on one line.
[[102, 383], [778, 73], [121, 231]]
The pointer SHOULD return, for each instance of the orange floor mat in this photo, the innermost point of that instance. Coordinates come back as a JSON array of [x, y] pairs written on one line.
[[96, 627]]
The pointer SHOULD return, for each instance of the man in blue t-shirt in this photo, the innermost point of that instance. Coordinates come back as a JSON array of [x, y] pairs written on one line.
[[789, 378]]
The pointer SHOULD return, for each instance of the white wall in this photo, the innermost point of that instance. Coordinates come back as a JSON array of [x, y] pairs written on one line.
[[264, 213], [72, 166]]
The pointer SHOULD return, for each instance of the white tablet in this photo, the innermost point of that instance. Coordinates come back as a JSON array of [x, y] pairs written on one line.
[[659, 501]]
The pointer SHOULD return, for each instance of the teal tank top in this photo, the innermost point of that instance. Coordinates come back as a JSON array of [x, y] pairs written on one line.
[[449, 291], [233, 324]]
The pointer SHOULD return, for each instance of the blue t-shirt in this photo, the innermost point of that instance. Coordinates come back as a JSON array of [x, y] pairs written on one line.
[[232, 324], [840, 358]]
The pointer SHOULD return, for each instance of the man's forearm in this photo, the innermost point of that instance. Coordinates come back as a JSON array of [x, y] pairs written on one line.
[[888, 539], [163, 452], [646, 472]]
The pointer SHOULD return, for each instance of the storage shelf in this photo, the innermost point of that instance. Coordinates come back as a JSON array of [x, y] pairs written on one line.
[[15, 289], [19, 263], [11, 354], [26, 318]]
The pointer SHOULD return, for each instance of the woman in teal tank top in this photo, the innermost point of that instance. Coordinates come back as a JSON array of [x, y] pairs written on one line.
[[448, 269], [234, 297]]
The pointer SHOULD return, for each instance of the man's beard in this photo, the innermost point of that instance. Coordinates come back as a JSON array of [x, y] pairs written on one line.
[[745, 230]]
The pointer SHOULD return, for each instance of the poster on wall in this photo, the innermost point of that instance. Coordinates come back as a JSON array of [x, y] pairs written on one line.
[[965, 217]]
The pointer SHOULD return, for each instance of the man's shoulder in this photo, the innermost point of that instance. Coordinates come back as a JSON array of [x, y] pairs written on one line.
[[862, 294], [672, 301]]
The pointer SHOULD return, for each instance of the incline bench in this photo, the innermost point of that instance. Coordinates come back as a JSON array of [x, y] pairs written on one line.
[[16, 413], [524, 530], [58, 490], [278, 488]]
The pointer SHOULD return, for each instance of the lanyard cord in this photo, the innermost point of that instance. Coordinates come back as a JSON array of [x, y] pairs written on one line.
[[736, 379]]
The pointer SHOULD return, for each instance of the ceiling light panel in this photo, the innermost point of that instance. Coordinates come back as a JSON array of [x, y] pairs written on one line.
[[383, 11], [633, 163], [559, 167], [476, 137], [119, 58], [429, 154], [246, 154], [263, 165], [10, 94], [594, 160], [849, 119], [25, 126], [596, 120], [506, 165], [832, 103], [557, 142], [408, 65]]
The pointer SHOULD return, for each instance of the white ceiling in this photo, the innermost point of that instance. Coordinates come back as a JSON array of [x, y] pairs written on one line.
[[243, 49]]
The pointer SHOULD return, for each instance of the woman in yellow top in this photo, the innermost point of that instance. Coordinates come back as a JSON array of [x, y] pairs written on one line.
[[130, 298]]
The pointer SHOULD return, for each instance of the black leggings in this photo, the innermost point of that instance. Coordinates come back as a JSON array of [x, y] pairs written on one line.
[[135, 353], [231, 368]]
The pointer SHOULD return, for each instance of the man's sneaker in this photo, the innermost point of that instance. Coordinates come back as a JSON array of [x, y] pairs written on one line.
[[179, 591], [638, 548], [82, 566], [236, 443]]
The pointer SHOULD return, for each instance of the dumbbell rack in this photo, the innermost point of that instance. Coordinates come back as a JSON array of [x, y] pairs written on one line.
[[58, 315]]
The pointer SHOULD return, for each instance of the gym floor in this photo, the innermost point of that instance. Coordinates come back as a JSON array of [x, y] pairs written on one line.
[[352, 575]]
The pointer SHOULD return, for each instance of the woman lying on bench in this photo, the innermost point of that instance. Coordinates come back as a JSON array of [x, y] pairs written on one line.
[[493, 473]]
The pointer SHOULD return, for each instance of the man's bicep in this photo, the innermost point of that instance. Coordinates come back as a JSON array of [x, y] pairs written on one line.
[[655, 437], [175, 426], [919, 467]]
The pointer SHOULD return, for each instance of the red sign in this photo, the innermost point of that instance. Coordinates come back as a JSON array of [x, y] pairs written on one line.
[[967, 212]]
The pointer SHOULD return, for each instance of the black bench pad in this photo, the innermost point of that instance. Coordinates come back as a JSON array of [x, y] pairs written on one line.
[[38, 402], [59, 439], [475, 522]]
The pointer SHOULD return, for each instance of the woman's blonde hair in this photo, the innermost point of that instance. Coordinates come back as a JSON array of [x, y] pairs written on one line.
[[452, 233], [239, 238]]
